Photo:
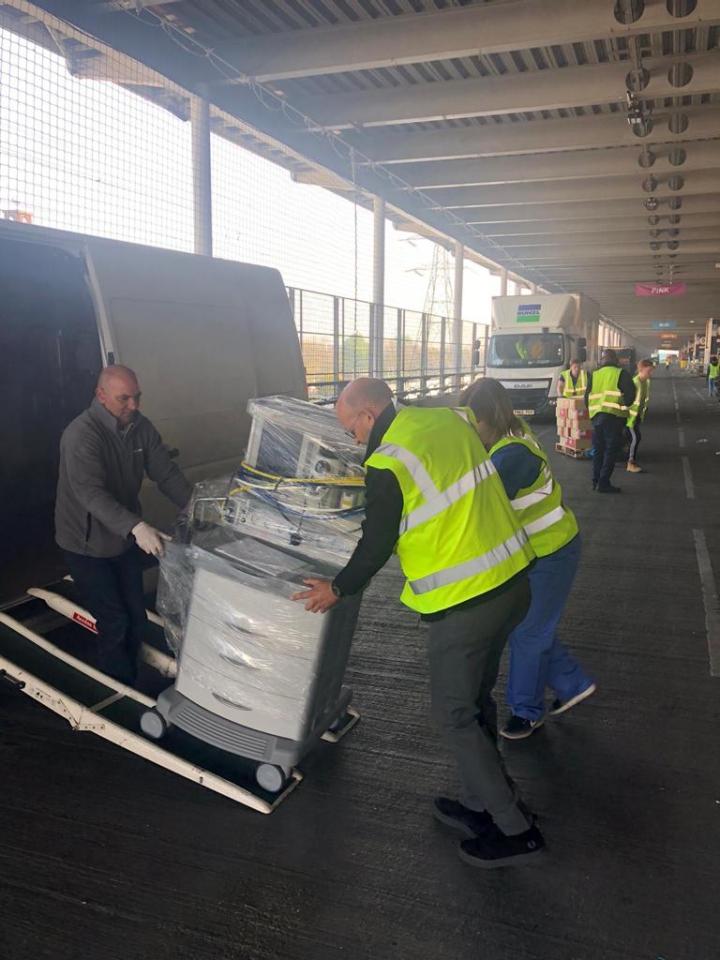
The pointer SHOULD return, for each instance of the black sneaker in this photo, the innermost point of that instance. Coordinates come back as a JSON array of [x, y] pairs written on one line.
[[609, 489], [518, 728], [453, 814], [494, 849]]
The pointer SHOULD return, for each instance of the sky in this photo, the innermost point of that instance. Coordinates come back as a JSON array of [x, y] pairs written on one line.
[[90, 156]]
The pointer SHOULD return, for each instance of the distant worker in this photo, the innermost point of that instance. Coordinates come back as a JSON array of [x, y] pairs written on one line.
[[573, 381], [637, 412], [610, 393], [104, 454], [713, 372], [521, 348], [537, 658], [434, 497]]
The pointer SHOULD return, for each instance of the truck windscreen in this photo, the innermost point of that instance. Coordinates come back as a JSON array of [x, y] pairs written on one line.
[[526, 350]]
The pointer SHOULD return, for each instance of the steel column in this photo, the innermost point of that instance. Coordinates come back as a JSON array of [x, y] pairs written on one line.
[[457, 313], [378, 287], [202, 177]]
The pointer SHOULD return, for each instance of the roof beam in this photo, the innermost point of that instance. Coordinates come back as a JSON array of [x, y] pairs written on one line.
[[566, 191], [575, 165], [585, 210], [492, 139], [518, 245], [423, 38], [636, 220], [512, 93], [611, 251]]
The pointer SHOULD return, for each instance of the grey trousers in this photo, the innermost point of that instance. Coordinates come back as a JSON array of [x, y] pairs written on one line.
[[464, 651]]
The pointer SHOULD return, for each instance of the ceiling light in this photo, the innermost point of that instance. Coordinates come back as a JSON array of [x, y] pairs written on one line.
[[651, 203]]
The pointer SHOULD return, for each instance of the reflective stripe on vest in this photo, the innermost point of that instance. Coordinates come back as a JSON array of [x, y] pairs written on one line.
[[470, 568], [639, 406], [458, 536], [606, 397], [577, 389], [546, 521], [440, 499]]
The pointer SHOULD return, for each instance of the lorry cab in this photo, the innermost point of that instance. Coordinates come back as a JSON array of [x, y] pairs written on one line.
[[533, 340]]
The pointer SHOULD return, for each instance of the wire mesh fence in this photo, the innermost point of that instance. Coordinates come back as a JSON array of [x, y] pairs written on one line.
[[342, 339], [94, 142]]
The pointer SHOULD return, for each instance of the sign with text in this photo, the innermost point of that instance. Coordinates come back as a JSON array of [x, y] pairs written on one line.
[[660, 289], [663, 324], [528, 313]]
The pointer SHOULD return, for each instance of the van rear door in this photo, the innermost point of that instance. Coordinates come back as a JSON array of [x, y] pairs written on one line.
[[204, 336]]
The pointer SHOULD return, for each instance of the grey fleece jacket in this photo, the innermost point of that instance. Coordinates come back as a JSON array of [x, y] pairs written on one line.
[[101, 472]]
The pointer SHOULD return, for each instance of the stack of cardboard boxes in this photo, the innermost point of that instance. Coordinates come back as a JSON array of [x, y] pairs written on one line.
[[573, 426]]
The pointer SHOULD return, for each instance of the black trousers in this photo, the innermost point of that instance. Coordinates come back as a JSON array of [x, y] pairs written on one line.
[[634, 437], [607, 436], [112, 590], [464, 651]]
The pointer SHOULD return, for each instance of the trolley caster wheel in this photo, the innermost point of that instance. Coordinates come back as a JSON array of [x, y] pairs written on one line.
[[153, 725], [270, 777]]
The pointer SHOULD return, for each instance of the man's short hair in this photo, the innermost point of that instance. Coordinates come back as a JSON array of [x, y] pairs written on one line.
[[610, 356], [646, 363]]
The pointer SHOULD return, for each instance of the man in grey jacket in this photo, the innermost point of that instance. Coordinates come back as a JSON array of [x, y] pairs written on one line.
[[104, 455]]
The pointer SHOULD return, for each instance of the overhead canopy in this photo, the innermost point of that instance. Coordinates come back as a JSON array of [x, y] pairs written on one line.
[[576, 143]]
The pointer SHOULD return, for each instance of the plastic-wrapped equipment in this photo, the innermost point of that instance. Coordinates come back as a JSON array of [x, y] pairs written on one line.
[[301, 482], [258, 675]]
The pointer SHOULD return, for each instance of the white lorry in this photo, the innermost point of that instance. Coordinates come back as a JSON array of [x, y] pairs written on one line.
[[533, 339]]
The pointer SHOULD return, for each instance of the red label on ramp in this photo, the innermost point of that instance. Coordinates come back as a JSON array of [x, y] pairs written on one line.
[[85, 622]]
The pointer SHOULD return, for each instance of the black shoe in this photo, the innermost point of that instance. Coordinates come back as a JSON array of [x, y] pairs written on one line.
[[495, 849], [609, 489], [594, 484], [518, 728], [453, 814]]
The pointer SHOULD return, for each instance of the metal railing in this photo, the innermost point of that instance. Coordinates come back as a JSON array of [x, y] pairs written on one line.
[[342, 338]]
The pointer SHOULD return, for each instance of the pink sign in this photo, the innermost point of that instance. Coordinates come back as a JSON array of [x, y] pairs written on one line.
[[660, 289]]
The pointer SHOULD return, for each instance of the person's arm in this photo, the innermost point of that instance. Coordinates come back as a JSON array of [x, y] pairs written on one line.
[[627, 388], [380, 528], [162, 470], [83, 463], [383, 512], [561, 385], [517, 467], [588, 390]]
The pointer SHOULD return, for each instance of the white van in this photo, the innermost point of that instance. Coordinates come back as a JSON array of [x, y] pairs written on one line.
[[204, 336]]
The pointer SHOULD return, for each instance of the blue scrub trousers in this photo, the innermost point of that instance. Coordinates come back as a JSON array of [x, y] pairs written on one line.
[[537, 658]]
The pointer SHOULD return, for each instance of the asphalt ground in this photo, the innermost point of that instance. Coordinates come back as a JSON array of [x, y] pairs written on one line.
[[104, 856]]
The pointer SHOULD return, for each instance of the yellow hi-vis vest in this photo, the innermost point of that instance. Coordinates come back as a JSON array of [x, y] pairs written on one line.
[[576, 389], [713, 370], [606, 396], [539, 507], [459, 536], [637, 411]]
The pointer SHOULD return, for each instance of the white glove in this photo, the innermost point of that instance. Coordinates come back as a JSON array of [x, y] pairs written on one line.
[[149, 539]]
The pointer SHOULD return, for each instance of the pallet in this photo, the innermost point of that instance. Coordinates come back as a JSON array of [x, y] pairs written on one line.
[[569, 452]]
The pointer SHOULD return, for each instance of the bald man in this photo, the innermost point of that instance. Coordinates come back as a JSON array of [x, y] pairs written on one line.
[[433, 495], [104, 455]]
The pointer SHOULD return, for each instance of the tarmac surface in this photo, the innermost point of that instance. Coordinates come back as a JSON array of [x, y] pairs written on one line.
[[105, 857]]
